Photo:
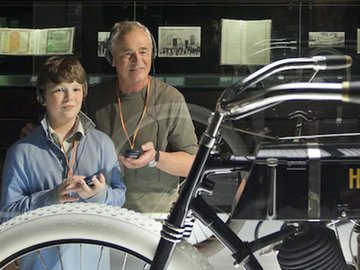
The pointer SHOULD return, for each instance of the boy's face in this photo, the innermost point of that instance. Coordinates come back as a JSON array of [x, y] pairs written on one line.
[[63, 102]]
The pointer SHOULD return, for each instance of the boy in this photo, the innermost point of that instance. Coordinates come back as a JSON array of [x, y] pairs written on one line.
[[51, 164]]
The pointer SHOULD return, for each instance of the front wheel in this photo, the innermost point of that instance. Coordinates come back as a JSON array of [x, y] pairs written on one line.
[[116, 238]]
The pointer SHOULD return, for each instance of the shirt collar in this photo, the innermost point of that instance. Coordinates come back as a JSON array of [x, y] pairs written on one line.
[[76, 134], [85, 125]]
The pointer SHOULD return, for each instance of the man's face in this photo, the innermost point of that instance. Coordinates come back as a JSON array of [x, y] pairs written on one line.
[[63, 102], [132, 59]]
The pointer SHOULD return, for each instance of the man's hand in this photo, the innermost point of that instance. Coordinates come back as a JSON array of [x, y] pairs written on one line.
[[175, 163], [27, 129], [147, 155]]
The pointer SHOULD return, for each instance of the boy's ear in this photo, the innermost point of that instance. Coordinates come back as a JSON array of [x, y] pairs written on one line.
[[40, 96]]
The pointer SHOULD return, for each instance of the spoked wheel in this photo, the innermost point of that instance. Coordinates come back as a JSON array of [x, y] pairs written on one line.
[[92, 236], [76, 256], [226, 185]]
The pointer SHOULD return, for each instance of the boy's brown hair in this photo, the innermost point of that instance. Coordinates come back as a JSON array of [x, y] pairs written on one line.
[[59, 69]]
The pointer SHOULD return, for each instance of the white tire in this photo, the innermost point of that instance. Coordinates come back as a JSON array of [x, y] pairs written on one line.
[[92, 223]]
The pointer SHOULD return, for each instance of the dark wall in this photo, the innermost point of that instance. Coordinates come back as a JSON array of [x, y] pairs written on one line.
[[18, 107]]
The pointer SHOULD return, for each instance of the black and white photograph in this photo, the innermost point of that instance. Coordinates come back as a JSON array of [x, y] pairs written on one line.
[[326, 39], [102, 40], [179, 41]]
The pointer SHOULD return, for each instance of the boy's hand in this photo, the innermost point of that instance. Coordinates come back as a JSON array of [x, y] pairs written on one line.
[[66, 191], [76, 184]]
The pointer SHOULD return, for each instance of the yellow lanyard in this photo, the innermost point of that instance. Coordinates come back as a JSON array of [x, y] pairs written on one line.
[[70, 164], [132, 142]]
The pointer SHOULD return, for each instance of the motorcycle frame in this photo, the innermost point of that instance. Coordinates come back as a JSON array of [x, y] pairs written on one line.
[[243, 104]]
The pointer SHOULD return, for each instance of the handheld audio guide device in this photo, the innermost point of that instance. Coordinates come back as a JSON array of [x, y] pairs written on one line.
[[132, 153]]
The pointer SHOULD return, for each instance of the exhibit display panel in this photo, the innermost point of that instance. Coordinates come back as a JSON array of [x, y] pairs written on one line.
[[200, 43]]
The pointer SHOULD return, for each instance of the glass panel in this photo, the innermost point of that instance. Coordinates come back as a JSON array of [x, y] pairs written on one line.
[[208, 16], [291, 23]]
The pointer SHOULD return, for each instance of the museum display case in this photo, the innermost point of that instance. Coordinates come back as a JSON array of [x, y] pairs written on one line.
[[291, 23], [272, 152]]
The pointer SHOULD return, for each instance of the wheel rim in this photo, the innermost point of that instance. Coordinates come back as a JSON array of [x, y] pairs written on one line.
[[103, 257]]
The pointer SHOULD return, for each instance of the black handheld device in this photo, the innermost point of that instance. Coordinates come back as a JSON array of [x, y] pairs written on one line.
[[132, 153], [89, 180]]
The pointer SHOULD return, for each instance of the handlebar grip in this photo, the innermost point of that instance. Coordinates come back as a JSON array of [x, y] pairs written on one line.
[[331, 62], [351, 92]]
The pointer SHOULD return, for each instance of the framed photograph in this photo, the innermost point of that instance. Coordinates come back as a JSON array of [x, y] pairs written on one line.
[[102, 43], [179, 41], [327, 39], [47, 41]]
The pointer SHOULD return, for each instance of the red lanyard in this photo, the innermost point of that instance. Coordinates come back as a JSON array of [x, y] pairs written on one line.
[[70, 163], [132, 142]]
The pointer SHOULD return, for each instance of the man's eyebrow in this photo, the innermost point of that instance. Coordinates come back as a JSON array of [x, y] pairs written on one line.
[[126, 50]]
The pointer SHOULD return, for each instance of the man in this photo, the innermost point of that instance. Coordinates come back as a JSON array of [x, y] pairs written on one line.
[[145, 115]]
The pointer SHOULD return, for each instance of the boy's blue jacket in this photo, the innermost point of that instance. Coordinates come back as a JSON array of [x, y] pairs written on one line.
[[35, 166]]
